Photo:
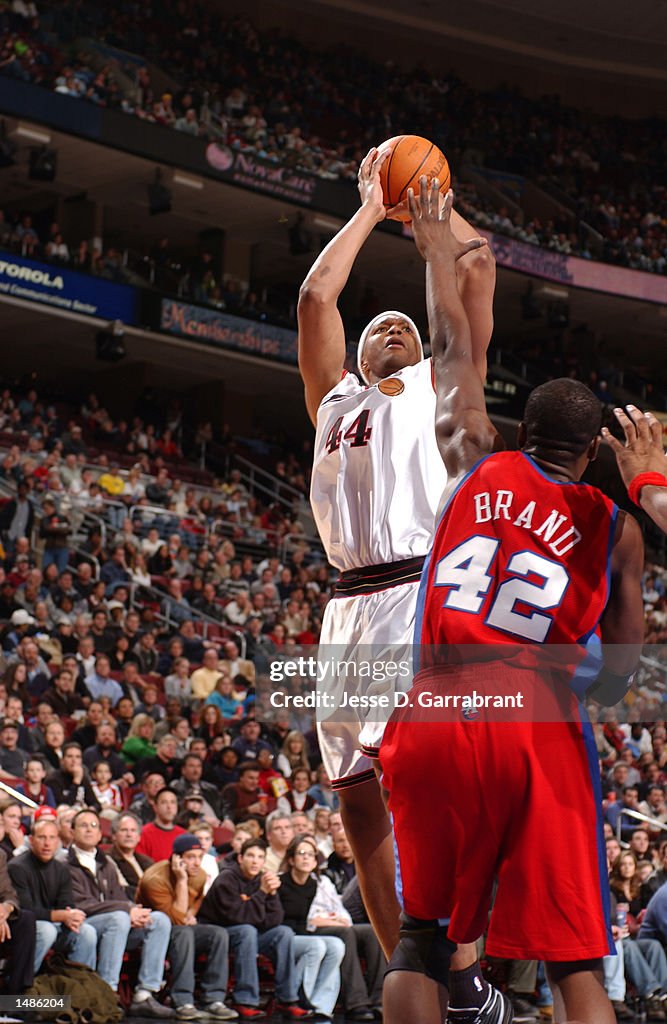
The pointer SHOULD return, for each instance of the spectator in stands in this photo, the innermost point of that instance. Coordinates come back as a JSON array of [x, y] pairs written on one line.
[[43, 884], [175, 607], [242, 798], [17, 935], [157, 838], [17, 516], [328, 916], [101, 684], [318, 958], [54, 530], [340, 865], [115, 571], [149, 705], [293, 754], [126, 832], [244, 899], [165, 760], [14, 713], [143, 806], [61, 696], [69, 783], [146, 653], [105, 750], [248, 744], [191, 775], [138, 746], [13, 839], [322, 793], [279, 833], [54, 741], [204, 833], [234, 665], [118, 922], [176, 887], [108, 793], [204, 679], [224, 699], [86, 734], [37, 672], [12, 759], [297, 798], [33, 785], [177, 683]]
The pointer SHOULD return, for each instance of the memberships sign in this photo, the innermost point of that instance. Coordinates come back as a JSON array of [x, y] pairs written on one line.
[[65, 289], [214, 327]]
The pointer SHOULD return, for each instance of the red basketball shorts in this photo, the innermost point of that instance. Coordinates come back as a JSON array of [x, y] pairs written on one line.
[[518, 803]]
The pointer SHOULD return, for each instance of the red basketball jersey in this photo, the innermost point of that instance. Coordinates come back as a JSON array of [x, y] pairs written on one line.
[[517, 558]]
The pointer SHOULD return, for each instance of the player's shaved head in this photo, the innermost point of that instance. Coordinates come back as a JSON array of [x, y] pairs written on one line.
[[562, 415]]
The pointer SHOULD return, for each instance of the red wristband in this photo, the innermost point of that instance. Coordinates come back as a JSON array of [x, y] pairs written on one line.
[[645, 480]]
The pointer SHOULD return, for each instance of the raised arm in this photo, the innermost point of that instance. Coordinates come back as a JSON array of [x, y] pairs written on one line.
[[641, 461], [463, 429], [321, 334]]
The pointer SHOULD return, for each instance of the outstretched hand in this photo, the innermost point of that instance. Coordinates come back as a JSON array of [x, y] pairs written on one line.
[[643, 451], [431, 223]]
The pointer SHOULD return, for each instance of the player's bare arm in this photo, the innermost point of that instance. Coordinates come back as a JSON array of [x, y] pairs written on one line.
[[463, 429], [642, 453], [321, 340]]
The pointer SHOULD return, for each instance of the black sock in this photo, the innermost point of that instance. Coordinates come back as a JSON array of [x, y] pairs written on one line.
[[467, 988]]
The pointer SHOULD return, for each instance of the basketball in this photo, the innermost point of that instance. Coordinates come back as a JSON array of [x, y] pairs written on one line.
[[411, 157]]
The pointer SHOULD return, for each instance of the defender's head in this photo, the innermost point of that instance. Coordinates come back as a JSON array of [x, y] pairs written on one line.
[[388, 343], [562, 419]]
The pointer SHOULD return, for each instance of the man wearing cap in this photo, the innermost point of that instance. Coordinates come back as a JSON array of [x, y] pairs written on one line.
[[21, 621], [12, 759], [176, 887], [376, 486]]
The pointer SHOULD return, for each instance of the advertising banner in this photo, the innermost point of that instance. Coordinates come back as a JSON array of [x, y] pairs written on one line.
[[61, 288], [233, 332]]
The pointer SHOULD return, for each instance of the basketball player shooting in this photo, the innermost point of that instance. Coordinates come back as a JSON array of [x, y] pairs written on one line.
[[524, 555], [377, 480]]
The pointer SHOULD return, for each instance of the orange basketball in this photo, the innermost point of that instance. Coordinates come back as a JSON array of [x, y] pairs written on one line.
[[411, 157]]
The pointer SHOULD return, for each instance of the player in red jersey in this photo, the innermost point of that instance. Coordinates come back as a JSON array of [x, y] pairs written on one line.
[[525, 557]]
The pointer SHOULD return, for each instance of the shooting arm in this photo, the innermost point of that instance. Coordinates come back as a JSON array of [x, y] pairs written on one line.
[[321, 334]]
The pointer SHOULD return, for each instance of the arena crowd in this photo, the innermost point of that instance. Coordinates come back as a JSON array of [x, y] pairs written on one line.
[[320, 110]]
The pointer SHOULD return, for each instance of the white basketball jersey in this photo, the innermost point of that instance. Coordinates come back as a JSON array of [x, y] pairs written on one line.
[[378, 476]]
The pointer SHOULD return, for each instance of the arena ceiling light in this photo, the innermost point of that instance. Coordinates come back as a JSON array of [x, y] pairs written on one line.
[[31, 133], [187, 181]]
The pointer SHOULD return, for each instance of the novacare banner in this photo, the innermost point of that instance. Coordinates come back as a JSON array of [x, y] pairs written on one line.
[[59, 287]]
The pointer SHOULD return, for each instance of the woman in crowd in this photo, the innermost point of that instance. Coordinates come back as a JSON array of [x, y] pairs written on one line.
[[177, 683], [15, 680], [212, 724], [318, 957], [298, 798], [644, 959], [139, 742], [223, 698], [293, 754], [11, 812]]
